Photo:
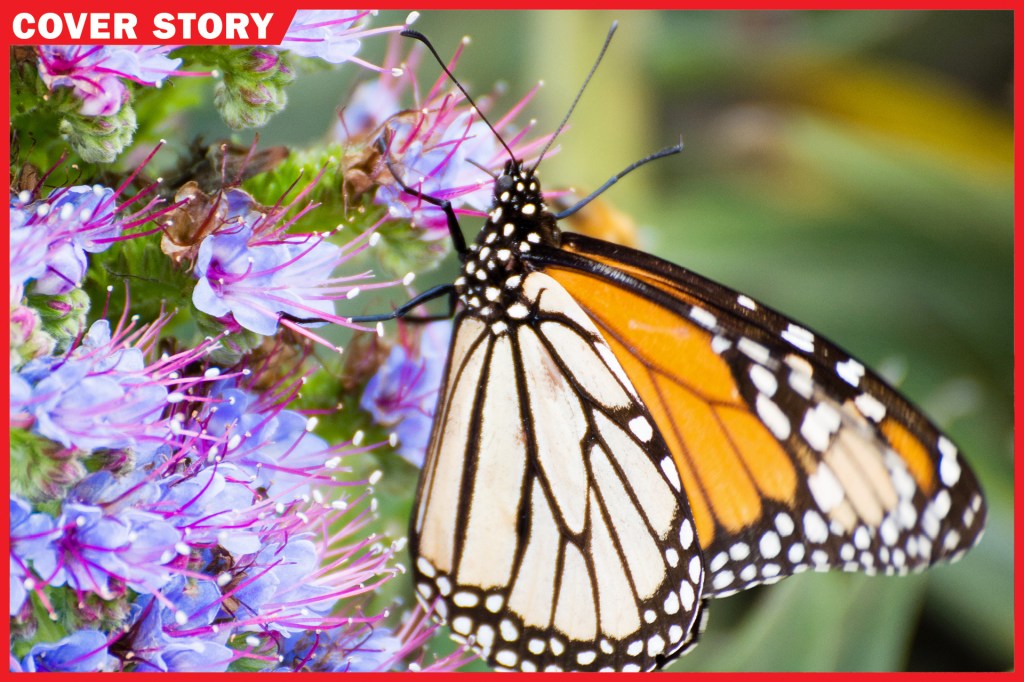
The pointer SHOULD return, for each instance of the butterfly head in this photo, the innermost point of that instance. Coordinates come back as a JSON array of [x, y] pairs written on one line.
[[517, 192], [517, 224]]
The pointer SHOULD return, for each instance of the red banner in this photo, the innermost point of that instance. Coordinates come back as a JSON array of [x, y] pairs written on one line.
[[150, 26]]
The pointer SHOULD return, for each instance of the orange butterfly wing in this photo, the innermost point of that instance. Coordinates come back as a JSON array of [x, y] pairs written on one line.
[[791, 453]]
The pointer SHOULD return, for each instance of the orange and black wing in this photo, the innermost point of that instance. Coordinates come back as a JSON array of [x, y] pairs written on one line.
[[792, 454]]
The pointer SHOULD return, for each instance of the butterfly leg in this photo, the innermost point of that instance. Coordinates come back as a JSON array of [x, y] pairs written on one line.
[[454, 229], [404, 309], [401, 311]]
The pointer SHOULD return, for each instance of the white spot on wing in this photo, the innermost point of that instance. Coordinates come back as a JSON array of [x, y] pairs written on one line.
[[703, 317], [753, 350], [764, 380], [799, 337], [641, 428], [825, 487], [850, 371], [870, 407], [668, 467], [773, 417]]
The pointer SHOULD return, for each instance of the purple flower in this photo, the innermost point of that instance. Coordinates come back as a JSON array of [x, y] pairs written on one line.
[[256, 282], [21, 398], [175, 634], [133, 547], [28, 249], [371, 103], [403, 392], [50, 237], [103, 394], [215, 506], [369, 649], [97, 72], [274, 446], [81, 652], [32, 538], [332, 35], [280, 579], [252, 272]]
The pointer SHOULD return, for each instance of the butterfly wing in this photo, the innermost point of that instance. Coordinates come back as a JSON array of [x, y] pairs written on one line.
[[549, 525], [792, 454]]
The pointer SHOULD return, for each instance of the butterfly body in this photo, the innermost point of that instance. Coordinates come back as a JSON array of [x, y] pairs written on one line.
[[524, 487], [618, 440]]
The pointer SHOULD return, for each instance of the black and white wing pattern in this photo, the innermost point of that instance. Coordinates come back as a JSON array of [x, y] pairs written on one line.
[[550, 529]]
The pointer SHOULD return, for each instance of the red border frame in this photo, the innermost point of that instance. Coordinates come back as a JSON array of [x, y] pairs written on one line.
[[286, 8]]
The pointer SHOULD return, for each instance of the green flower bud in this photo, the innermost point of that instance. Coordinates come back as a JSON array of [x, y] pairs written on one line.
[[253, 87], [64, 316], [99, 139]]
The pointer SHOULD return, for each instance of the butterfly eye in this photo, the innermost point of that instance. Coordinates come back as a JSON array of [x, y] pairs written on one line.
[[504, 184]]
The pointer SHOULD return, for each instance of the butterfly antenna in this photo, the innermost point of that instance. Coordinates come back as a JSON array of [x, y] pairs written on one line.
[[484, 168], [667, 151], [416, 35], [593, 69]]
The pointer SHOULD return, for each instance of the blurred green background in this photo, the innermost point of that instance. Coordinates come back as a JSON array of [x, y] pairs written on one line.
[[852, 169]]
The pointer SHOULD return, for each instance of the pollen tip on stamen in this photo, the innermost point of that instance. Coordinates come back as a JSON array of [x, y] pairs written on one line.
[[339, 349], [357, 438], [215, 73], [380, 329], [409, 277], [110, 288], [412, 18], [311, 423], [466, 40], [374, 239], [397, 72]]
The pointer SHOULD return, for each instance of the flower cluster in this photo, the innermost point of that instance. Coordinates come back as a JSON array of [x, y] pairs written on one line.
[[194, 481], [215, 528], [50, 236]]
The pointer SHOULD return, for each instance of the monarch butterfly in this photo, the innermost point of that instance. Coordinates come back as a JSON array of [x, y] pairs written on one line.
[[618, 440]]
